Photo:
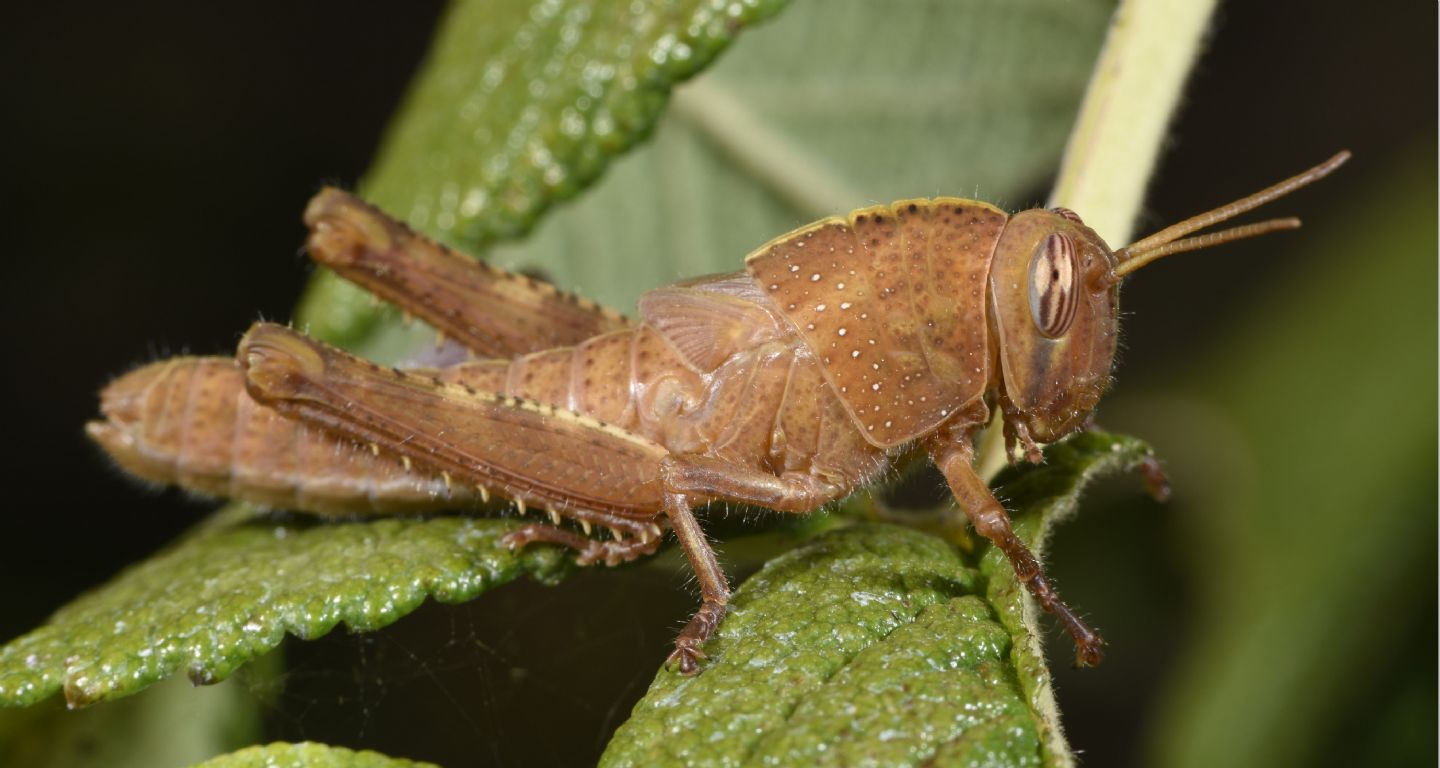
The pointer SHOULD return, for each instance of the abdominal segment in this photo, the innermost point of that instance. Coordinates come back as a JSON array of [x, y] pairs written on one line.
[[188, 421]]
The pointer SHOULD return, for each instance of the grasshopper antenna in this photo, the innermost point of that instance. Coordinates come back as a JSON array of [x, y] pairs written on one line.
[[1169, 240]]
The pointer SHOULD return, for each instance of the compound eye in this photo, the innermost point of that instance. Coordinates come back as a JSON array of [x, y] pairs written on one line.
[[1054, 285]]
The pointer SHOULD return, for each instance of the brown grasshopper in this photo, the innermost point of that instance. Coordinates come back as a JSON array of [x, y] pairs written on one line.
[[792, 383]]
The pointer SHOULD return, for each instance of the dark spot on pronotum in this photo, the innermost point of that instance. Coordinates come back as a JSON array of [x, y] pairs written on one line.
[[913, 208]]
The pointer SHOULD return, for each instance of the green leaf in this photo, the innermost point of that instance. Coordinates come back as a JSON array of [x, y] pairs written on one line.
[[307, 755], [230, 591], [881, 645]]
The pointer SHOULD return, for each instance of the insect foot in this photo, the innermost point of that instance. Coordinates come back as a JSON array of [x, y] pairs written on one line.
[[687, 653]]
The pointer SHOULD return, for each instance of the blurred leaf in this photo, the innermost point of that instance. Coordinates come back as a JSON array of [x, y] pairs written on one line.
[[879, 644], [231, 591], [521, 104], [835, 105], [1320, 552], [170, 724], [307, 755]]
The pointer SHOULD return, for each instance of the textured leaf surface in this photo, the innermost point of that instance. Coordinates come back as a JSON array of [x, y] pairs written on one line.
[[232, 590], [521, 104], [307, 755], [879, 645]]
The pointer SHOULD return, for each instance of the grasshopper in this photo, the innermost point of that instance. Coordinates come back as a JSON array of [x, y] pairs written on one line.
[[841, 346]]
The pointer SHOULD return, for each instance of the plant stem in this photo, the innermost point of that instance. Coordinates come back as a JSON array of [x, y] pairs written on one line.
[[1132, 95]]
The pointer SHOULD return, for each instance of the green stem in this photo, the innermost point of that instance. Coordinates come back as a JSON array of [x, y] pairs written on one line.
[[1128, 105]]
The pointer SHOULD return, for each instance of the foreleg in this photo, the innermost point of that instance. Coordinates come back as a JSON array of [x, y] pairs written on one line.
[[954, 456]]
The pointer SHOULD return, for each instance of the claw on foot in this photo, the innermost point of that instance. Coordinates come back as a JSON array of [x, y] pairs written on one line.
[[686, 659], [687, 653]]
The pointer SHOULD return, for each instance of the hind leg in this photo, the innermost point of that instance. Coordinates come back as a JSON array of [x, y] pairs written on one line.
[[491, 312]]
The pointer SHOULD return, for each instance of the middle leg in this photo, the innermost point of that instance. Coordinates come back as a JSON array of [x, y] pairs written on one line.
[[691, 477]]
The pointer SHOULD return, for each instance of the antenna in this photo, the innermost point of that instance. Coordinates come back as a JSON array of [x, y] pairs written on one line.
[[1168, 240]]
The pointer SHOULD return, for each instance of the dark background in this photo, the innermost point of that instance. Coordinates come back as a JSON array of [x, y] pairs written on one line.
[[154, 159]]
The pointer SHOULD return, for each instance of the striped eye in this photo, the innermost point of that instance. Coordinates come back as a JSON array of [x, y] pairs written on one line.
[[1054, 293]]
